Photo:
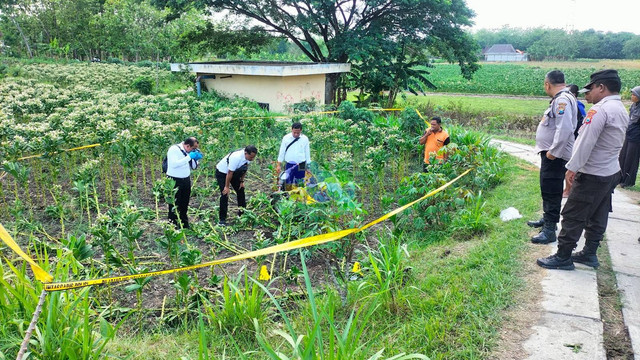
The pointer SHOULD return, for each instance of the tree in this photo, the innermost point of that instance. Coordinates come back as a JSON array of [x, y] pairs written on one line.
[[371, 34], [8, 9], [556, 44], [631, 49], [221, 39]]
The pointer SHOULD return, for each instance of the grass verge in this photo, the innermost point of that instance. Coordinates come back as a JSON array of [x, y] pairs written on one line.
[[617, 343]]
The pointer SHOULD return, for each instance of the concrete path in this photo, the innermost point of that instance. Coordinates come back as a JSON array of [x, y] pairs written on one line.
[[571, 325]]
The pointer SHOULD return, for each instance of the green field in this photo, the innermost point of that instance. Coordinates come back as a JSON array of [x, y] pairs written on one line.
[[480, 104], [526, 78]]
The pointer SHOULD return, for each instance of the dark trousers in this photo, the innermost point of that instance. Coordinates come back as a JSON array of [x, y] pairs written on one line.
[[182, 201], [551, 185], [224, 199], [296, 173], [587, 209], [629, 159]]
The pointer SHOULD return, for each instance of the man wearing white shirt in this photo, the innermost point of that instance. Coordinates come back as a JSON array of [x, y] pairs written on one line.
[[230, 171], [181, 159], [294, 151]]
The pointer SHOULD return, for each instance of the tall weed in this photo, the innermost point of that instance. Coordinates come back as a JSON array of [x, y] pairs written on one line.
[[68, 328], [324, 338]]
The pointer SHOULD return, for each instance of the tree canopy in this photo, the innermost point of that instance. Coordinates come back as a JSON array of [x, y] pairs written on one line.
[[559, 44], [388, 39]]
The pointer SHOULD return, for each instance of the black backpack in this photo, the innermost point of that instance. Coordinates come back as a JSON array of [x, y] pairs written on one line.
[[165, 162]]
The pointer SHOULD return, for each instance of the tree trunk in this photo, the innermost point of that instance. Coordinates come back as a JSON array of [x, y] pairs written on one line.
[[331, 95], [24, 38], [391, 99]]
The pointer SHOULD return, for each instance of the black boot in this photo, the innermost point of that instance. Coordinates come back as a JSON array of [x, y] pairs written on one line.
[[536, 224], [587, 256], [546, 236], [555, 261]]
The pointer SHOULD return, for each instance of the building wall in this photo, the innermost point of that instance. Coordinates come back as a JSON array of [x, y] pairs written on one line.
[[506, 57], [280, 92]]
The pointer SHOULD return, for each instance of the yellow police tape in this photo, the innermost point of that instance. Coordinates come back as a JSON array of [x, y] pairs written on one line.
[[238, 118], [67, 150], [292, 245], [40, 274]]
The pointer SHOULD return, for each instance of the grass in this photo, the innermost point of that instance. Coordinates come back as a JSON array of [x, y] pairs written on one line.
[[616, 342], [481, 105], [519, 140], [451, 308], [462, 288]]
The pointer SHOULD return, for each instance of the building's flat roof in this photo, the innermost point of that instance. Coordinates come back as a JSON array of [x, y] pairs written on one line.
[[262, 68]]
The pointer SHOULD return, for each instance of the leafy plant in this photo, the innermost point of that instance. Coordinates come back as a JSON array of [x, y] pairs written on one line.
[[389, 270], [240, 308], [323, 338], [144, 85]]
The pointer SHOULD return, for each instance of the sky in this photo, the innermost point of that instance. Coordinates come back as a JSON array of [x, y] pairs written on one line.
[[609, 15]]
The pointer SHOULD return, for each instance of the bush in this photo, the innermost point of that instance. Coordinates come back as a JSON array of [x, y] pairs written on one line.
[[145, 63], [144, 85], [305, 106], [411, 122], [468, 149], [3, 70], [349, 111], [113, 60]]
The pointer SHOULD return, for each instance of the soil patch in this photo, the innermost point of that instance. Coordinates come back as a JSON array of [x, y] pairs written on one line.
[[634, 195]]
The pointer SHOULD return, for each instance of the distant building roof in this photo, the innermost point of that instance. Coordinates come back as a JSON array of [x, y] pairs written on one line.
[[263, 68], [501, 49]]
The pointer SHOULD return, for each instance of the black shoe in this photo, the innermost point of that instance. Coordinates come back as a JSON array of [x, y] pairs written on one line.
[[586, 259], [556, 262], [222, 223], [536, 224], [546, 236]]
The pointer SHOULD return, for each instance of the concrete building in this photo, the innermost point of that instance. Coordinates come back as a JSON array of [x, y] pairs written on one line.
[[504, 52], [276, 86]]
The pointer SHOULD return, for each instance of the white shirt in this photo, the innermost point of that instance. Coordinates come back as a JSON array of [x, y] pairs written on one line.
[[179, 165], [298, 152], [236, 161]]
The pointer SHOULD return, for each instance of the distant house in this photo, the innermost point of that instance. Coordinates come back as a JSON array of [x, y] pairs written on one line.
[[274, 85], [504, 52]]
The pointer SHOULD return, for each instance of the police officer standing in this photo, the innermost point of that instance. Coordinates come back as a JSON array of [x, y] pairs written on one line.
[[554, 142], [593, 172]]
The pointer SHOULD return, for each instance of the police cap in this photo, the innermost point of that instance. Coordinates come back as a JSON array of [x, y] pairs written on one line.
[[608, 74]]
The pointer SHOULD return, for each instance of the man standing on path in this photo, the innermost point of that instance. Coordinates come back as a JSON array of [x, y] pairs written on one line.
[[593, 172], [554, 142], [294, 151], [434, 139], [181, 159], [230, 171]]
